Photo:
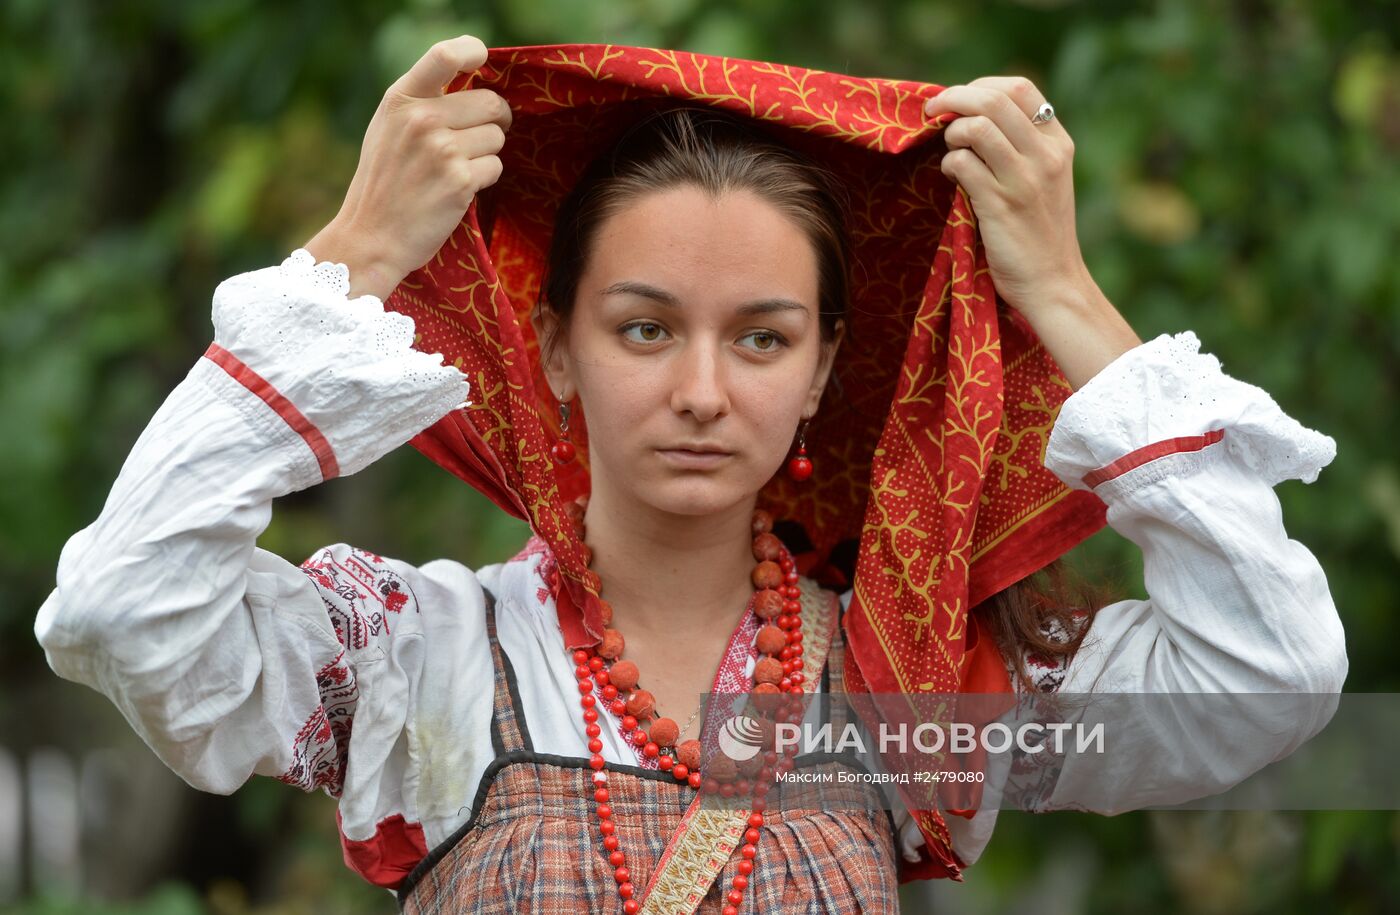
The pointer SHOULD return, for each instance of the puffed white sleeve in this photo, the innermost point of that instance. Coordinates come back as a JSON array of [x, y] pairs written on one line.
[[225, 658], [1186, 459]]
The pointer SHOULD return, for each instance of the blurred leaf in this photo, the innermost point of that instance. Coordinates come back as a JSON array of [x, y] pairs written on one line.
[[224, 206], [1363, 76], [1158, 213]]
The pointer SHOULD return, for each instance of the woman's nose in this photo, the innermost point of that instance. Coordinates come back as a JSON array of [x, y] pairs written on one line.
[[699, 385]]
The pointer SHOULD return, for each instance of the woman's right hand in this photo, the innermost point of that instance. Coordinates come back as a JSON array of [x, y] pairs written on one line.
[[424, 157]]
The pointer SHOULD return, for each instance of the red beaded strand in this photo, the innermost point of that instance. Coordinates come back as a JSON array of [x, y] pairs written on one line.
[[778, 674]]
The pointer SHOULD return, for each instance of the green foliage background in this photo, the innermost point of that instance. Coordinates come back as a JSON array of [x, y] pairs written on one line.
[[1236, 174]]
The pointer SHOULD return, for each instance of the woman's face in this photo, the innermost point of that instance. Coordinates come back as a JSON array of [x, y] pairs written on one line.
[[695, 327]]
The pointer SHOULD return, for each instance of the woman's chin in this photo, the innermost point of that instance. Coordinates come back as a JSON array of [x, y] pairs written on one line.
[[699, 495]]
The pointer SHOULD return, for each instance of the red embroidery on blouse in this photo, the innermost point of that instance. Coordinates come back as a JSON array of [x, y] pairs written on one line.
[[321, 746], [546, 570], [240, 372], [534, 546], [359, 590]]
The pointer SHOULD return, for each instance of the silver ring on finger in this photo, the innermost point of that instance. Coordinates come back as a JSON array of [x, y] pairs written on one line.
[[1044, 115]]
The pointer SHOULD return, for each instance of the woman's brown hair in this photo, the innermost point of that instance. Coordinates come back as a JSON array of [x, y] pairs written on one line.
[[1043, 616]]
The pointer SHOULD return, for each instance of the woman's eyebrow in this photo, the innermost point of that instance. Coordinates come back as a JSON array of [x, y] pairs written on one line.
[[662, 297]]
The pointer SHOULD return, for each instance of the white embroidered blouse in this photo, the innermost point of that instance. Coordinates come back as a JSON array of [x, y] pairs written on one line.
[[230, 661]]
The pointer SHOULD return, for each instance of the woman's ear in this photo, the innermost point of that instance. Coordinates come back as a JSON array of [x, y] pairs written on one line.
[[824, 364], [554, 351]]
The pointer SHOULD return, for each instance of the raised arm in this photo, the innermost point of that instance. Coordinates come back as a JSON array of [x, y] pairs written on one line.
[[164, 602], [1186, 459], [218, 652]]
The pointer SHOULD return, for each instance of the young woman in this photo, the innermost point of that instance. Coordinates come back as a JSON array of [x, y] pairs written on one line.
[[481, 765]]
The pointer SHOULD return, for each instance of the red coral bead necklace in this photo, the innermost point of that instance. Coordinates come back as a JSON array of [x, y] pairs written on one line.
[[605, 676]]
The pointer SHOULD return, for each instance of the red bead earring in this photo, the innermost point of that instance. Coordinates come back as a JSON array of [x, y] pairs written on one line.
[[563, 449], [799, 467]]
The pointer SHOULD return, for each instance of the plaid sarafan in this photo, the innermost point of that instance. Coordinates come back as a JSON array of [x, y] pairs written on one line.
[[533, 847], [532, 844]]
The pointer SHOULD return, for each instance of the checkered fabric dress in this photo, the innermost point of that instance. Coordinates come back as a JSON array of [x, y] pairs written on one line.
[[532, 842]]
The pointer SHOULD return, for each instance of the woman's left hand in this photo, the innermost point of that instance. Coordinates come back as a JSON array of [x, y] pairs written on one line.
[[1019, 179]]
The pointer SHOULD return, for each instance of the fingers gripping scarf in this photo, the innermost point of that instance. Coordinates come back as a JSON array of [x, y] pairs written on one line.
[[930, 441]]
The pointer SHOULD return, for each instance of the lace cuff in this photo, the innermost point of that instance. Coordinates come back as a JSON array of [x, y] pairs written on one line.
[[1165, 397], [341, 371]]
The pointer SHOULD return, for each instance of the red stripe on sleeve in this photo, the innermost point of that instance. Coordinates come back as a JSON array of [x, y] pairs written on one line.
[[1151, 452], [283, 407]]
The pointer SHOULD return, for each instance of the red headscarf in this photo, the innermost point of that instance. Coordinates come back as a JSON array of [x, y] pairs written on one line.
[[930, 441]]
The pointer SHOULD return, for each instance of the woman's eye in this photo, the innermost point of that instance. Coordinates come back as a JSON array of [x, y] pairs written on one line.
[[766, 341], [650, 332]]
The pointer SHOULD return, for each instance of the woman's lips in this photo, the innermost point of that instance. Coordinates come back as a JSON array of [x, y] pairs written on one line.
[[698, 460]]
